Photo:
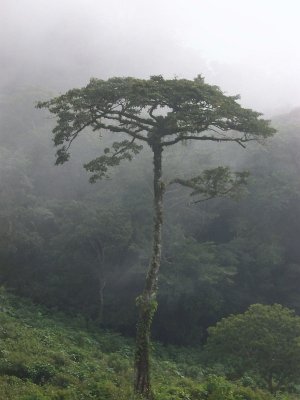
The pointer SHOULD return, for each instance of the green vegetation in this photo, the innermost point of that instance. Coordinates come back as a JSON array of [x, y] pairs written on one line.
[[264, 341], [160, 113], [83, 250], [218, 256], [46, 356]]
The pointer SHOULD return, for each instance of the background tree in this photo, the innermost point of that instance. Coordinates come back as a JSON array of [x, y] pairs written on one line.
[[94, 237], [264, 340], [192, 278], [159, 113]]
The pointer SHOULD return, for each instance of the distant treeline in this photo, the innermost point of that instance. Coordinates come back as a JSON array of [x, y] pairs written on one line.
[[84, 248]]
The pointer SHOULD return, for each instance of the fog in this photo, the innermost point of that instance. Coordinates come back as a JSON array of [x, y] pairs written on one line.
[[246, 47], [219, 256]]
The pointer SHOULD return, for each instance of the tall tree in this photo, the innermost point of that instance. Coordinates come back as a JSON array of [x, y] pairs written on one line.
[[159, 113]]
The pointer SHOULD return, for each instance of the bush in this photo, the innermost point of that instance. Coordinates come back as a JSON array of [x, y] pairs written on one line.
[[263, 341]]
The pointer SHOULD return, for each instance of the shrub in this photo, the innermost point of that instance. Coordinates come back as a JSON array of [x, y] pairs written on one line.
[[265, 340]]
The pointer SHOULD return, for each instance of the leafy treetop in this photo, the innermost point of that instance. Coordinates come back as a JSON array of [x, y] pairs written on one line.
[[156, 111]]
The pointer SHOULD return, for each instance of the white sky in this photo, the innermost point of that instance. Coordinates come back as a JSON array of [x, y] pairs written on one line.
[[249, 47]]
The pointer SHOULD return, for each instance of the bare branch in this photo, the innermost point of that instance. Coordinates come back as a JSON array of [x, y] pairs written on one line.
[[239, 140], [134, 134], [74, 136], [151, 110], [133, 117], [123, 148], [119, 117]]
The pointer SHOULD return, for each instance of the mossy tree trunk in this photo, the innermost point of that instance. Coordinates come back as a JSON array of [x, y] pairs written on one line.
[[146, 302]]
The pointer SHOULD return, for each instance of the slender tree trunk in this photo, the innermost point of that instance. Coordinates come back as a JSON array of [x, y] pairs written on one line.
[[101, 301], [270, 383], [146, 302], [99, 250]]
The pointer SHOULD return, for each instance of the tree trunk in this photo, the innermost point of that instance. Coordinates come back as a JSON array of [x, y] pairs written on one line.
[[270, 383], [146, 302], [102, 285], [99, 250]]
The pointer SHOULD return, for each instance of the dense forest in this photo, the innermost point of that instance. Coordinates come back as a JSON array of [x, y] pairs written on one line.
[[83, 249], [149, 200]]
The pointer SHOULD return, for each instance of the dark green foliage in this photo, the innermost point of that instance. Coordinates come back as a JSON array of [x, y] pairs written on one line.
[[136, 105], [264, 341], [112, 157], [246, 251], [190, 106], [47, 356], [154, 111], [215, 183]]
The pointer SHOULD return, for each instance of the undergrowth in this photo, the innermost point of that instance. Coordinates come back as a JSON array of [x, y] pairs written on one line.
[[49, 356]]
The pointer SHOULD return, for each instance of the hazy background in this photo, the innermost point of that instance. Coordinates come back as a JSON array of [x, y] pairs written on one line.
[[218, 256], [246, 47]]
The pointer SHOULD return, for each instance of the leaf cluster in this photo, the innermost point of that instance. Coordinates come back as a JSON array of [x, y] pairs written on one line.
[[215, 182]]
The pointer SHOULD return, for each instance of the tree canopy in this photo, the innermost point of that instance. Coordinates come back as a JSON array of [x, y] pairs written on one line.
[[263, 340], [174, 110]]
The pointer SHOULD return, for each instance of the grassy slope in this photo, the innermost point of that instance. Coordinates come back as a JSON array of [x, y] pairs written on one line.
[[46, 356]]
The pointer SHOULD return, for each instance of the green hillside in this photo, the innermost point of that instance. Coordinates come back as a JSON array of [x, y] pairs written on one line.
[[51, 356]]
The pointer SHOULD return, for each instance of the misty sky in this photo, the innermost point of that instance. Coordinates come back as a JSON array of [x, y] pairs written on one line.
[[246, 47]]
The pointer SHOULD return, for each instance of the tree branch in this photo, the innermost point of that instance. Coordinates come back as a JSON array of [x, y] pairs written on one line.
[[76, 133], [119, 118], [134, 134], [122, 149], [151, 110], [137, 119], [209, 138]]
